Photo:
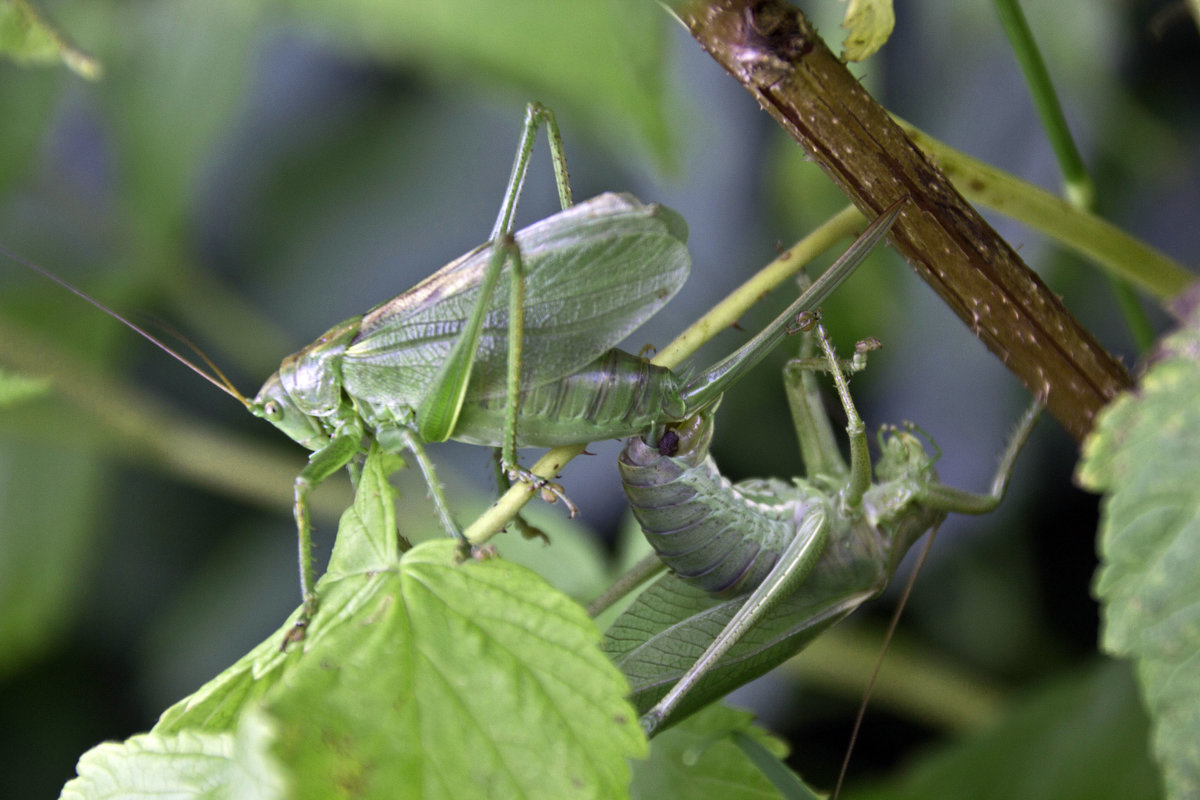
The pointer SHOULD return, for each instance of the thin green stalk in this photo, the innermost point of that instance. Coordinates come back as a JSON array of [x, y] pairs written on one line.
[[1078, 186], [1101, 242], [1077, 183]]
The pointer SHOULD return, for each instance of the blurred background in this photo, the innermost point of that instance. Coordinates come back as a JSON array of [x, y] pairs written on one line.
[[250, 176]]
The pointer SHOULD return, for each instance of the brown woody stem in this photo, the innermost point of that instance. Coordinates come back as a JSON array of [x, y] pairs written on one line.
[[773, 51]]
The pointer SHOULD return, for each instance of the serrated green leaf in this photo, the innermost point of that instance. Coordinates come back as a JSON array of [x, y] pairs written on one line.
[[28, 38], [433, 678], [179, 765], [868, 25], [254, 772], [1145, 455], [213, 766], [700, 758]]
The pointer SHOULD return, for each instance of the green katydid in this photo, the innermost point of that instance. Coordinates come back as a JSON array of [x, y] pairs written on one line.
[[445, 359], [760, 568]]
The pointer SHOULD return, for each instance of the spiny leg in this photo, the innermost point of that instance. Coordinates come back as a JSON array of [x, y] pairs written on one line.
[[859, 477], [439, 409], [513, 471], [409, 441], [814, 431], [948, 498], [321, 464], [535, 116]]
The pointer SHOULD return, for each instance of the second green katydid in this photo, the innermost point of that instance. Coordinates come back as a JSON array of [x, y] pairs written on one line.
[[762, 567], [510, 345]]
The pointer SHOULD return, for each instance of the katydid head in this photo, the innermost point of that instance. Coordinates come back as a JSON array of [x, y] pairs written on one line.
[[902, 455], [277, 406], [894, 503]]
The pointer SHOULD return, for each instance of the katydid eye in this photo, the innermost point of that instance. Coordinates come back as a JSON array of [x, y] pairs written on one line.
[[272, 410]]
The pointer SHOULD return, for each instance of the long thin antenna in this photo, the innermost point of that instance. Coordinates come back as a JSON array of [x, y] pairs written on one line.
[[224, 384], [887, 640]]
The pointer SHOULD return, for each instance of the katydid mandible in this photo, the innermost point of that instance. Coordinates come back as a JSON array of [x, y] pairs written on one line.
[[444, 359], [761, 567]]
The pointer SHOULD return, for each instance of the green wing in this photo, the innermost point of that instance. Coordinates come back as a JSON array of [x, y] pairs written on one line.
[[667, 628], [594, 273]]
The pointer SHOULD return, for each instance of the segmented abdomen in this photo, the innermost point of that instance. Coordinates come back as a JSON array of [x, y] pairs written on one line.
[[616, 395], [721, 537]]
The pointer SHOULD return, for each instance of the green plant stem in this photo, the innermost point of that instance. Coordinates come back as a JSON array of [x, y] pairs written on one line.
[[1078, 187], [1099, 241], [1077, 183], [719, 318], [775, 53]]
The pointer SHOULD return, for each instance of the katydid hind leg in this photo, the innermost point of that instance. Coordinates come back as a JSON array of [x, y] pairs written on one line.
[[536, 115], [439, 410], [795, 564]]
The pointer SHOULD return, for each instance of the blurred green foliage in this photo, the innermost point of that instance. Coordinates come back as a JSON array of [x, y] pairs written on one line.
[[253, 172]]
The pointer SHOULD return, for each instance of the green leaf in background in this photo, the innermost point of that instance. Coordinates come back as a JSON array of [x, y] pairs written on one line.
[[699, 758], [868, 25], [599, 61], [27, 38], [1082, 737], [1145, 456], [177, 74], [44, 547], [433, 678], [17, 387]]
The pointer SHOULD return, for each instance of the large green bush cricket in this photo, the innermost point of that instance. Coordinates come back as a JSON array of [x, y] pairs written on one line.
[[446, 358], [760, 568]]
